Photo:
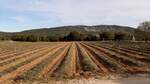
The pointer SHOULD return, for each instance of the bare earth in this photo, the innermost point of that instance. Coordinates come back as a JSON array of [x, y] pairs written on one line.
[[74, 63], [129, 80]]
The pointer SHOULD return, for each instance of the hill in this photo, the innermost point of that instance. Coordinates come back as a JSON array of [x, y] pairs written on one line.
[[5, 35], [64, 30], [61, 32]]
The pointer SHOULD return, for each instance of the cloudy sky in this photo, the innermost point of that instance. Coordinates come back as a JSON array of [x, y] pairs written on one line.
[[18, 15]]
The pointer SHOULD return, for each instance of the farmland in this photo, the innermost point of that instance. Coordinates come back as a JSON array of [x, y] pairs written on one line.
[[69, 60]]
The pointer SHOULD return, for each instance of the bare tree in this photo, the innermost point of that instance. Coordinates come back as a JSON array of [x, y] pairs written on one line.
[[145, 26]]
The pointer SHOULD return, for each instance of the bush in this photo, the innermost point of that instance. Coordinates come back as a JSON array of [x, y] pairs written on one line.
[[73, 36], [106, 36], [119, 36]]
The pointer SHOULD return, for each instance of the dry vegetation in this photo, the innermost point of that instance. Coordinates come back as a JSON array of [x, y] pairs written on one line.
[[65, 60]]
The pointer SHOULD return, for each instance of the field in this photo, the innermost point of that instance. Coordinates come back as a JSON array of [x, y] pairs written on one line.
[[27, 61]]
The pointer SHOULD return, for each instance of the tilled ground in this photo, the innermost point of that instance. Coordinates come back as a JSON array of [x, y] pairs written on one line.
[[129, 80], [72, 60]]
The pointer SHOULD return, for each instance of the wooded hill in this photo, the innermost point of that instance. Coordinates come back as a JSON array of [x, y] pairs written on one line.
[[79, 32]]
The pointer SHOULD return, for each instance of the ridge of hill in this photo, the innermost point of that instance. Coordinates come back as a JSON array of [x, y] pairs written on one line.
[[64, 30]]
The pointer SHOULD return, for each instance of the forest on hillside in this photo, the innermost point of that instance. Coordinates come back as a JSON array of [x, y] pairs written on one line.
[[82, 33]]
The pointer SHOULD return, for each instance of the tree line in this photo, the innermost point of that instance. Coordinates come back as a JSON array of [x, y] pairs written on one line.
[[72, 36], [78, 36]]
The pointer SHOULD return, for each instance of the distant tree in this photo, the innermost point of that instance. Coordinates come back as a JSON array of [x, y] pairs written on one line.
[[119, 36], [106, 36], [91, 37], [145, 27], [22, 37], [139, 35], [32, 38], [4, 38], [73, 36], [53, 38]]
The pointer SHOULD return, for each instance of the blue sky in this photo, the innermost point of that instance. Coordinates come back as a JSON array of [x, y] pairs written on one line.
[[18, 15]]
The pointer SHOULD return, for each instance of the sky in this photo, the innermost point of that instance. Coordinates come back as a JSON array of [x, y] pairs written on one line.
[[18, 15]]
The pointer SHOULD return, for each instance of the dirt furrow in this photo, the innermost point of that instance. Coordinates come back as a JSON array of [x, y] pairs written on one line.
[[112, 64], [47, 71], [39, 52], [28, 66], [135, 52], [125, 58], [18, 50], [130, 55], [14, 51], [76, 67], [107, 63], [19, 53], [121, 66], [99, 63], [24, 55], [73, 60], [128, 50], [138, 50], [88, 56], [4, 51], [80, 59], [124, 63]]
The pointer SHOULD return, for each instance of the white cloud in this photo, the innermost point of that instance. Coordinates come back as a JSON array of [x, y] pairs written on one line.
[[124, 12]]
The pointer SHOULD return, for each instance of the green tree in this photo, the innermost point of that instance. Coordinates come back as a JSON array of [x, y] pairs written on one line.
[[73, 36], [106, 36], [120, 36], [91, 37]]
